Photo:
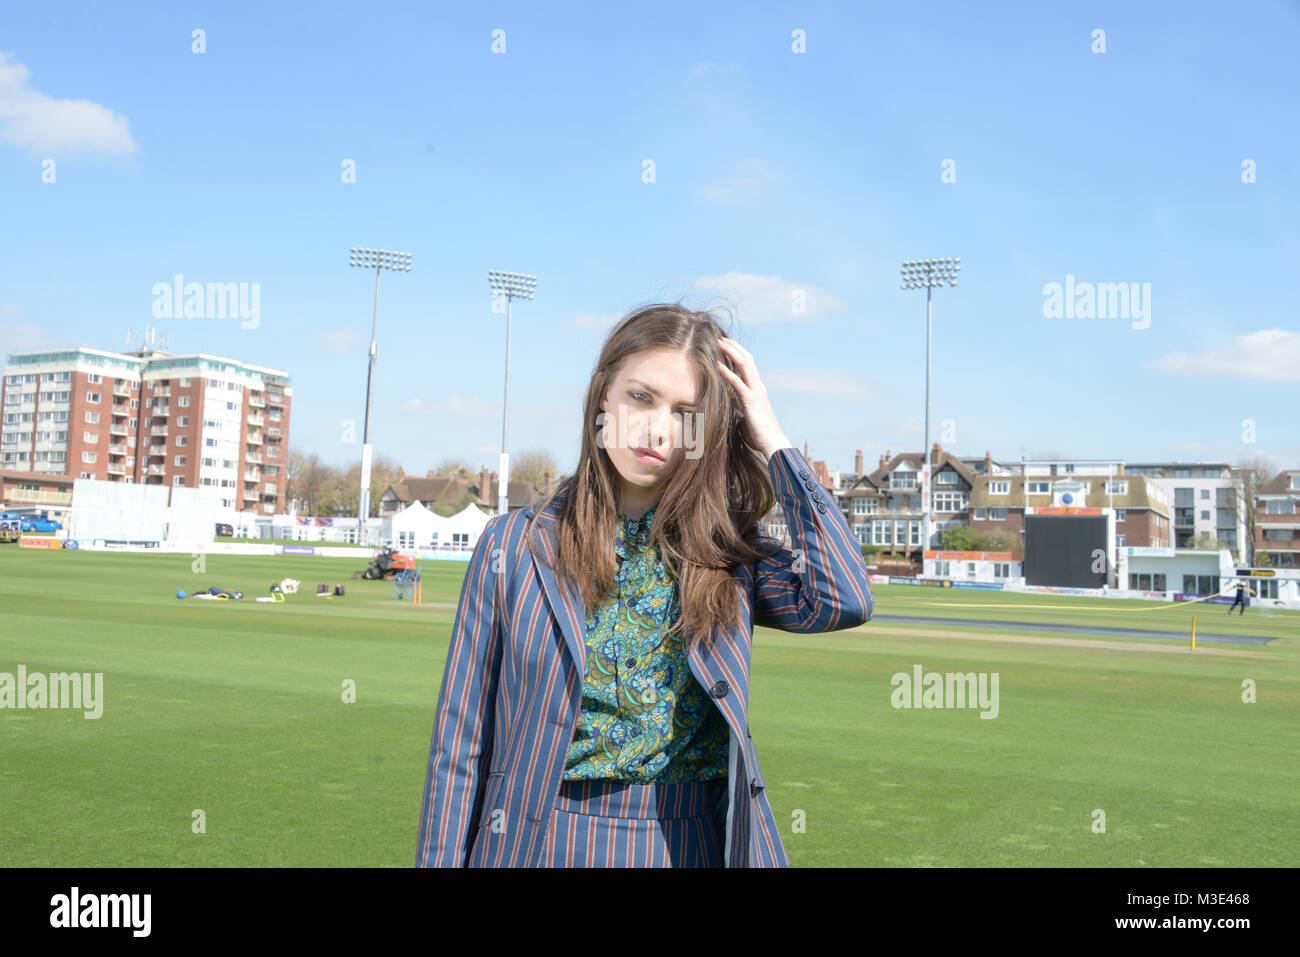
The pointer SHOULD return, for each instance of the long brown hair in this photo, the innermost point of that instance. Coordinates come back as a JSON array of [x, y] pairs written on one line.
[[706, 519]]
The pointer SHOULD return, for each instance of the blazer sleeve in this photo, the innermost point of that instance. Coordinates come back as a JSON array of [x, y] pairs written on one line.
[[461, 749], [821, 583]]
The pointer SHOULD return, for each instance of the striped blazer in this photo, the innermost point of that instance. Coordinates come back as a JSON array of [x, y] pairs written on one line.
[[512, 683]]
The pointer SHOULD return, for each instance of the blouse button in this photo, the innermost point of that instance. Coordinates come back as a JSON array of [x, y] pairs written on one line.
[[720, 689]]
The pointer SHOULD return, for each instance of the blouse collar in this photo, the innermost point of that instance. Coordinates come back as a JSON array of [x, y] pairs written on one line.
[[633, 533]]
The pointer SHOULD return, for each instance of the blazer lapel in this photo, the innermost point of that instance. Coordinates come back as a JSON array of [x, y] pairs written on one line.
[[565, 601]]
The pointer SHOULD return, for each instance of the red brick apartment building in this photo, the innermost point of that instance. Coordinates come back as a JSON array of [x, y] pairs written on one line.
[[146, 416], [1277, 520]]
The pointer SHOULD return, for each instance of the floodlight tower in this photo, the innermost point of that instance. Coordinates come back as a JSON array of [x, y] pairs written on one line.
[[929, 273], [513, 286], [378, 260]]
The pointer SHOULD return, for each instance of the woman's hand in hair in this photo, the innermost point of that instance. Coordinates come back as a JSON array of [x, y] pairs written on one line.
[[758, 424]]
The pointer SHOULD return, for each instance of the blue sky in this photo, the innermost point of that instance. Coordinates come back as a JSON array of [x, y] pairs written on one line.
[[774, 171]]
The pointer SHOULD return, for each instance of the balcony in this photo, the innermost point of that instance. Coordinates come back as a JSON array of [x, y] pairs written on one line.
[[255, 401], [155, 470], [123, 390], [38, 496], [252, 459], [254, 439], [117, 428], [272, 433], [116, 468], [160, 411], [157, 451], [256, 420], [252, 476], [117, 448], [158, 430], [250, 495], [274, 398], [122, 409], [162, 393]]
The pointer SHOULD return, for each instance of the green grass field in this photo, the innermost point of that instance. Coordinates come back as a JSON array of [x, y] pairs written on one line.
[[235, 709]]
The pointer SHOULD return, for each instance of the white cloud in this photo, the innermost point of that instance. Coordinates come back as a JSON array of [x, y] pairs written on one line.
[[769, 298], [56, 126], [820, 382], [1268, 355], [593, 320], [18, 335], [744, 186], [336, 341], [469, 407]]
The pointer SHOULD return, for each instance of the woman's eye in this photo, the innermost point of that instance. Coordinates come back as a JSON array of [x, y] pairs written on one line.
[[641, 394]]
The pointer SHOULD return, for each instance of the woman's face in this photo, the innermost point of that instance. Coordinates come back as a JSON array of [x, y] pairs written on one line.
[[648, 424]]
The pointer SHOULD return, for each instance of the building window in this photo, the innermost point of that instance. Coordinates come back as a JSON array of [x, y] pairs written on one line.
[[1121, 515], [1117, 488], [183, 421], [185, 382], [134, 423], [941, 569], [859, 530], [94, 378], [92, 418], [183, 401], [92, 397], [946, 477], [182, 440], [1121, 540], [178, 480], [1205, 515], [1205, 493], [861, 506], [915, 536], [90, 438], [979, 513], [180, 460], [135, 403], [997, 514], [88, 457], [1040, 488], [1182, 473], [999, 488]]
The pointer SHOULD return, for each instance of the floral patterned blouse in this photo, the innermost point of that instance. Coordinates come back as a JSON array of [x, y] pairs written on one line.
[[643, 716]]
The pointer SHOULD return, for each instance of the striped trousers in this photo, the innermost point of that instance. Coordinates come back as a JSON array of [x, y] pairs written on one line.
[[620, 824]]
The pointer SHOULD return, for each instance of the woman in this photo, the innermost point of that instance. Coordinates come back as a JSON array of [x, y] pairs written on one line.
[[594, 702]]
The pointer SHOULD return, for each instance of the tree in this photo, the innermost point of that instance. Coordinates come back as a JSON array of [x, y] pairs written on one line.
[[308, 480], [1251, 472], [450, 468], [530, 467], [1206, 540]]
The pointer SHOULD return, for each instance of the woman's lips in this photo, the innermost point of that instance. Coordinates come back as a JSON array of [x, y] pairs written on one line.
[[648, 457]]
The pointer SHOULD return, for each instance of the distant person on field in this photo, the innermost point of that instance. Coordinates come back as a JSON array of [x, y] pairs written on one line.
[[1242, 591]]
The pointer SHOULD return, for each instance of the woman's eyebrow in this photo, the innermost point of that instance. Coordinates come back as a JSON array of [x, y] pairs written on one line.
[[638, 382]]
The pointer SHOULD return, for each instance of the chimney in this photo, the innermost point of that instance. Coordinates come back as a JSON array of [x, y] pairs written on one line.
[[550, 481], [806, 451], [857, 463], [1121, 468], [484, 486], [938, 447], [988, 463]]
